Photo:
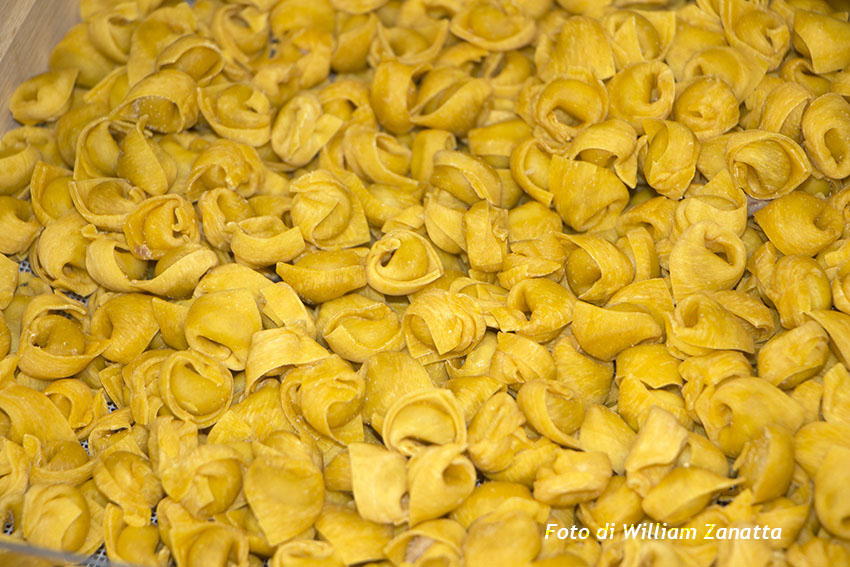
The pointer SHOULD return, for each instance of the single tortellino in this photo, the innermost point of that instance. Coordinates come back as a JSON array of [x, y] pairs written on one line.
[[167, 97], [54, 346], [760, 32], [50, 192], [618, 504], [798, 285], [229, 164], [20, 403], [357, 327], [218, 208], [582, 208], [434, 540], [530, 162], [467, 178], [238, 112], [766, 165], [829, 491], [659, 443], [356, 540], [402, 262], [537, 308], [328, 213], [382, 387], [562, 107], [197, 56], [613, 140], [668, 156], [589, 378], [259, 415], [376, 156], [59, 256], [707, 106], [792, 357], [18, 224], [264, 240], [578, 41], [379, 483], [756, 316], [8, 281], [206, 481], [144, 163], [783, 110], [98, 148], [706, 257], [642, 91], [324, 275], [766, 464], [225, 339], [738, 409], [105, 202], [424, 418], [509, 535], [485, 228], [695, 489], [195, 543], [735, 67], [700, 324], [718, 200], [439, 478], [439, 326], [825, 126], [594, 267], [593, 326], [306, 552], [43, 98], [301, 129], [139, 387], [195, 387], [494, 434], [821, 38], [128, 543], [56, 462], [285, 491], [389, 94], [128, 322], [355, 34], [128, 480], [159, 225], [493, 27], [635, 400], [639, 35], [323, 399], [800, 223], [534, 258], [57, 517], [573, 477], [449, 99], [518, 360], [553, 409], [15, 479]]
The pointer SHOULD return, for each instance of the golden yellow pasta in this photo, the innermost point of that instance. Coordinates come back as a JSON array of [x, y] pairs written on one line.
[[401, 263], [357, 327], [420, 283], [44, 98]]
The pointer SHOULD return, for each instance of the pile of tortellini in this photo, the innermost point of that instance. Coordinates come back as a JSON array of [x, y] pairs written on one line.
[[401, 283]]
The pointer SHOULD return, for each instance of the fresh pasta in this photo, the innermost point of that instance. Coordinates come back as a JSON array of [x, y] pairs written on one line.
[[423, 283]]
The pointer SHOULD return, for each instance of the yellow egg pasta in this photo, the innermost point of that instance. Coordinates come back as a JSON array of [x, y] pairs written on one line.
[[428, 283]]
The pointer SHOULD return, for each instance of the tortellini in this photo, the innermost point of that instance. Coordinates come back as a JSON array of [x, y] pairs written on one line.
[[359, 282]]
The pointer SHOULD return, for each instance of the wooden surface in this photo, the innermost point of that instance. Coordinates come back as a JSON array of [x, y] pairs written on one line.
[[28, 31]]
